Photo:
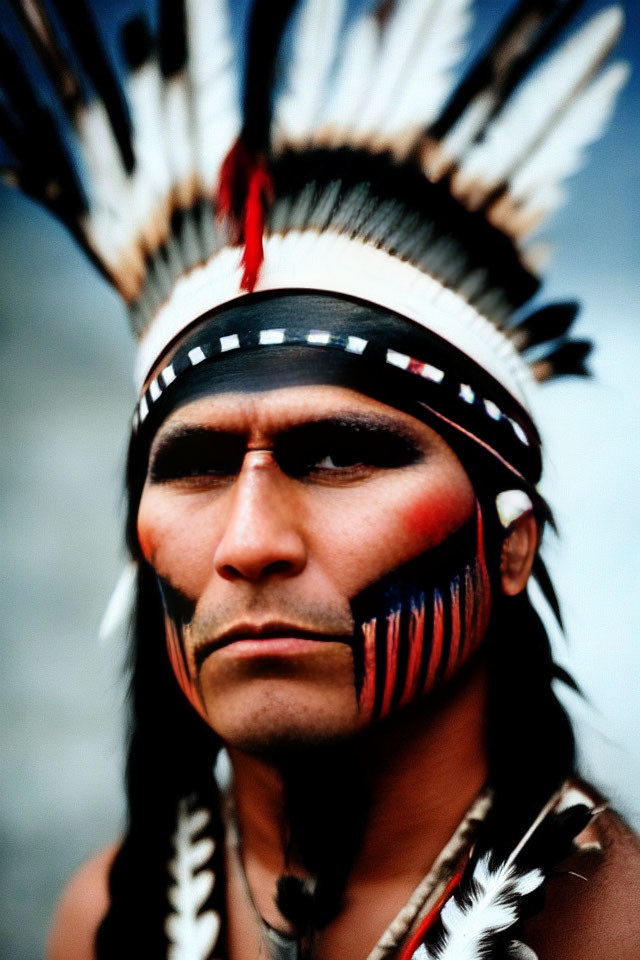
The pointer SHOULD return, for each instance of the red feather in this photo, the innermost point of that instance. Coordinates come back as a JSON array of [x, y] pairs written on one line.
[[259, 195], [245, 191]]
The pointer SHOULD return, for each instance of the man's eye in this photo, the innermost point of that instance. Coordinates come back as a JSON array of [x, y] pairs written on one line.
[[341, 460], [346, 452], [327, 463], [193, 456]]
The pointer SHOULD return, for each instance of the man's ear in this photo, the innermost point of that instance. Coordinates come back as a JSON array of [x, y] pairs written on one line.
[[518, 552]]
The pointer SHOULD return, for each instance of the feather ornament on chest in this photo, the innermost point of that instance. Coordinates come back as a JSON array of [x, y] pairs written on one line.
[[478, 922]]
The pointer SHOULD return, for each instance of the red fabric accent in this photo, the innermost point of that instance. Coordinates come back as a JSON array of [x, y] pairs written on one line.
[[427, 922], [259, 195]]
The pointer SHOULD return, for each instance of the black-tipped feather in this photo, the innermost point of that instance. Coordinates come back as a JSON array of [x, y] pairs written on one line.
[[543, 580], [547, 324], [79, 23], [39, 29], [520, 41], [47, 172], [172, 37], [267, 23], [559, 673], [569, 359], [136, 42]]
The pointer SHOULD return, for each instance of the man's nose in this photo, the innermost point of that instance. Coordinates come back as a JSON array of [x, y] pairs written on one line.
[[262, 536]]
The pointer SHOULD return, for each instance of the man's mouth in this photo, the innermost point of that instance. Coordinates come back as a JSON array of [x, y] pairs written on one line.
[[269, 638]]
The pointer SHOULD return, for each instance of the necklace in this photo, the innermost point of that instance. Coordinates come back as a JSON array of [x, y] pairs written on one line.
[[426, 896]]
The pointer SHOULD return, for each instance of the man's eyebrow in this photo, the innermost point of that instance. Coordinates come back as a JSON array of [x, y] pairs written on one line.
[[349, 420], [352, 421], [182, 431]]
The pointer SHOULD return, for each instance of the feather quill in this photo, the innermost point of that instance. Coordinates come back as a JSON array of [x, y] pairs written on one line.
[[192, 934]]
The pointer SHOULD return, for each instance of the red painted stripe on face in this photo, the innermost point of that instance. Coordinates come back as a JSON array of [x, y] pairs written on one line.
[[416, 643], [454, 646], [393, 641], [435, 655], [368, 692]]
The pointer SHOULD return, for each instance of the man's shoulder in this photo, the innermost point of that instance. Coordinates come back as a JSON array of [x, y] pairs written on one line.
[[592, 903], [81, 907]]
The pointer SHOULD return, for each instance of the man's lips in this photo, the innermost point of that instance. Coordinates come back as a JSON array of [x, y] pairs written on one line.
[[269, 637]]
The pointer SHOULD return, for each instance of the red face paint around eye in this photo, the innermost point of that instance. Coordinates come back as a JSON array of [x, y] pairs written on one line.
[[434, 518]]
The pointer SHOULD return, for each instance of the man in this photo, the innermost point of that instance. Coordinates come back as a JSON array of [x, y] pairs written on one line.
[[264, 513], [333, 504]]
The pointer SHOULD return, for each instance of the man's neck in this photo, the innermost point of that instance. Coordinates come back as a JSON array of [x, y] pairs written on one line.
[[404, 787]]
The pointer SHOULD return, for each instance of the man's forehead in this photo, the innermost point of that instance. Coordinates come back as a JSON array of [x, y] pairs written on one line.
[[276, 410]]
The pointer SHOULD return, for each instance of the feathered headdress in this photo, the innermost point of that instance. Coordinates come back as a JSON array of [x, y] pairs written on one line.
[[351, 159]]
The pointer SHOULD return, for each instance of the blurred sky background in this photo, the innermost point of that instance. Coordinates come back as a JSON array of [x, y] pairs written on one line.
[[67, 397]]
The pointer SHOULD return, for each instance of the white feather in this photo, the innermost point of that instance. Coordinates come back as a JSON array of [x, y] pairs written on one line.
[[192, 935], [214, 86], [464, 131], [152, 180], [467, 926], [356, 64], [178, 136], [562, 153], [120, 603], [316, 35], [540, 103], [410, 21], [108, 226], [421, 44], [428, 83]]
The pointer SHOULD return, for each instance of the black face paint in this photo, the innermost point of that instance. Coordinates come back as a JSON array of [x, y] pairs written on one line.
[[178, 614], [418, 624]]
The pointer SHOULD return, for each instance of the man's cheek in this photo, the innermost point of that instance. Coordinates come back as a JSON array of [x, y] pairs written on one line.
[[146, 541], [418, 625], [432, 519]]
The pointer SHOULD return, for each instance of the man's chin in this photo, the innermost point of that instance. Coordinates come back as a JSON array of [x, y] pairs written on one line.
[[276, 722], [281, 745]]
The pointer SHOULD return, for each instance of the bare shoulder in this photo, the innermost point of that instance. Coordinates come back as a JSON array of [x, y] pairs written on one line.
[[82, 906], [592, 905]]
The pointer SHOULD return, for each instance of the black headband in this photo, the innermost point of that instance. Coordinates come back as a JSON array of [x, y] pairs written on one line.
[[284, 338]]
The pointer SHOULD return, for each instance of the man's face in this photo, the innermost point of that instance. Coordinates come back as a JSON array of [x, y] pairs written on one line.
[[264, 516]]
